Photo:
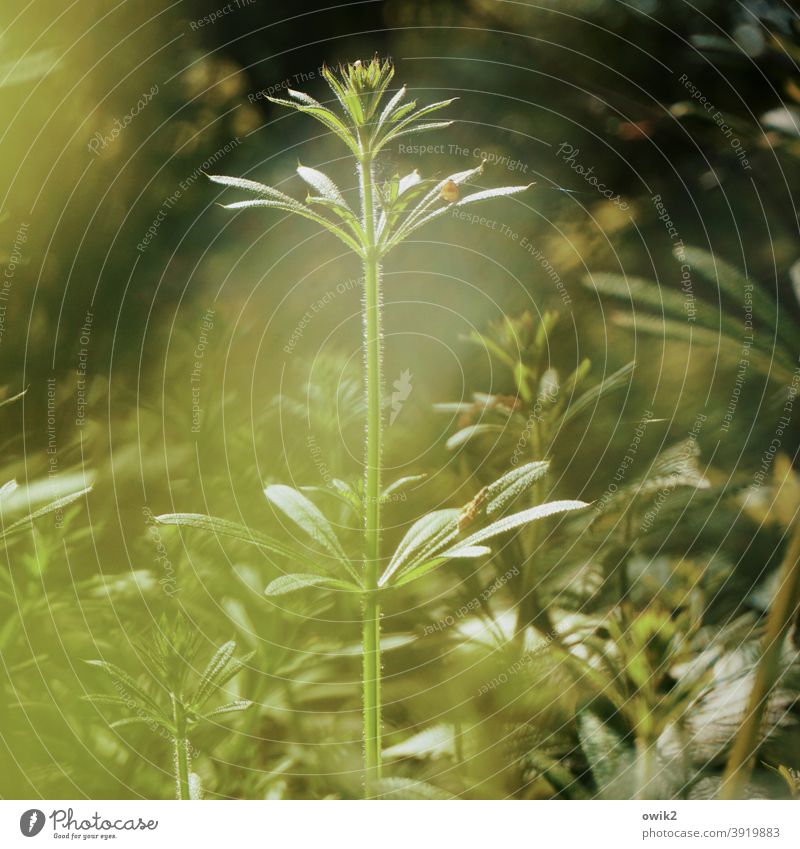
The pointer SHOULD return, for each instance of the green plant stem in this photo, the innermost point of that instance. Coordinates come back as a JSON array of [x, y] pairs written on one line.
[[530, 610], [372, 525], [181, 751], [781, 612]]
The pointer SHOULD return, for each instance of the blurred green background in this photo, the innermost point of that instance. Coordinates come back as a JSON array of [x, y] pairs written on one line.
[[179, 358]]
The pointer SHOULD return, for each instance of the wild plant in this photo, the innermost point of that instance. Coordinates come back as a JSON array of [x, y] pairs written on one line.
[[764, 338], [589, 603], [523, 426], [367, 122], [526, 423], [778, 651], [173, 701], [634, 672], [20, 509]]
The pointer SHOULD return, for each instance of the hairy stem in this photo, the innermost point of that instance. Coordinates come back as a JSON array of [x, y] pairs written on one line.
[[181, 751], [781, 612], [372, 527], [530, 610]]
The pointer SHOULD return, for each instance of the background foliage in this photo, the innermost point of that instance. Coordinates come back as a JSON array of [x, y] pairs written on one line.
[[178, 358]]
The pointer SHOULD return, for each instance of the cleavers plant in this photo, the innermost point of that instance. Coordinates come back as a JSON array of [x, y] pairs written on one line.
[[389, 213], [175, 700]]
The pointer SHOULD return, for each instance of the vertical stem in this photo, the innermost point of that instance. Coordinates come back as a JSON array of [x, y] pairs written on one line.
[[530, 610], [645, 768], [779, 620], [372, 694], [372, 527], [181, 751]]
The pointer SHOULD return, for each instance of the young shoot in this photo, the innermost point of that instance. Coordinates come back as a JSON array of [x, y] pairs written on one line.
[[174, 701]]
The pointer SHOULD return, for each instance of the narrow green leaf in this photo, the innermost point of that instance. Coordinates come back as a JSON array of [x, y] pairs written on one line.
[[322, 184], [410, 125], [303, 211], [512, 484], [736, 285], [223, 527], [468, 433], [612, 383], [30, 66], [307, 516], [433, 741], [144, 719], [377, 94], [286, 206], [221, 677], [561, 778], [143, 713], [52, 507], [305, 99], [485, 194], [525, 517], [772, 362], [489, 345], [417, 570], [350, 105], [252, 186], [412, 130], [674, 467], [389, 109], [425, 537], [341, 491], [410, 181], [292, 583], [456, 408], [572, 382], [403, 111], [667, 302], [638, 290], [309, 106], [344, 213], [399, 195], [7, 488], [431, 107], [606, 752], [121, 677], [13, 398], [421, 214], [231, 707], [400, 485], [408, 788], [109, 701], [221, 658]]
